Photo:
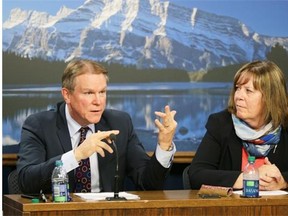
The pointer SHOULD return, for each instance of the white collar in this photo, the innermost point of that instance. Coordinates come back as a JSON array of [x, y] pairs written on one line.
[[73, 126]]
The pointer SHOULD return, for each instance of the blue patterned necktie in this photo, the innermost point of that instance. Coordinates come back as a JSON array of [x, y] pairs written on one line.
[[83, 173]]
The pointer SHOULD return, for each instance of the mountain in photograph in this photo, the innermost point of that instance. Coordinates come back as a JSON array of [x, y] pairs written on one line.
[[141, 33]]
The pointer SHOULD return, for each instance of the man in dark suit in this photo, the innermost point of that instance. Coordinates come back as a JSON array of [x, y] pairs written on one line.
[[54, 135]]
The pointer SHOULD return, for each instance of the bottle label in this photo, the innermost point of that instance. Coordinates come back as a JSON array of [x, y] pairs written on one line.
[[60, 193], [251, 188]]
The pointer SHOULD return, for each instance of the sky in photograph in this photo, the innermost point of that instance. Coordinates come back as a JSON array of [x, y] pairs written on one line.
[[266, 17]]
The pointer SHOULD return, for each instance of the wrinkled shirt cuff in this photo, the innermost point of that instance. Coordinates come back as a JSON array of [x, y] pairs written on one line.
[[69, 161], [165, 158]]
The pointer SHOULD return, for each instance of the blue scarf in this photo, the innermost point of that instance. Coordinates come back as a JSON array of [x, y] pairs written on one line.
[[257, 143]]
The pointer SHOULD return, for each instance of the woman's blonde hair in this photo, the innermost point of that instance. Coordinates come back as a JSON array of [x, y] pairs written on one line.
[[80, 66], [270, 81]]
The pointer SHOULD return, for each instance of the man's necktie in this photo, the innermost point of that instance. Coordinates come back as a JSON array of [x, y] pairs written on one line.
[[83, 173]]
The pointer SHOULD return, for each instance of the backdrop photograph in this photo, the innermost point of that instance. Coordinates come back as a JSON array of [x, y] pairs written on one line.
[[175, 52]]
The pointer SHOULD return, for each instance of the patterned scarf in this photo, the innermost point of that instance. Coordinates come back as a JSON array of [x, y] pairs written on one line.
[[257, 143]]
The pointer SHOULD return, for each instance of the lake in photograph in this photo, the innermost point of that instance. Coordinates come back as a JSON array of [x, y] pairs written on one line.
[[194, 102]]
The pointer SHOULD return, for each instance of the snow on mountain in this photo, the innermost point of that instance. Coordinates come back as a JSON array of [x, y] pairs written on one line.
[[148, 34]]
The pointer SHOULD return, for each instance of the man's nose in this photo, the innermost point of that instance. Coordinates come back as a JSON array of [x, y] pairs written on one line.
[[96, 99]]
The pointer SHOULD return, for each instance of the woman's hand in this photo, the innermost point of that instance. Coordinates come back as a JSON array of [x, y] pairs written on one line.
[[270, 177]]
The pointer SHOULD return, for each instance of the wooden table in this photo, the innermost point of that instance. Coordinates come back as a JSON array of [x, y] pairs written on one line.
[[169, 202]]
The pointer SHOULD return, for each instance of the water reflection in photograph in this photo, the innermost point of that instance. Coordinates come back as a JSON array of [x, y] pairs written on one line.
[[194, 102]]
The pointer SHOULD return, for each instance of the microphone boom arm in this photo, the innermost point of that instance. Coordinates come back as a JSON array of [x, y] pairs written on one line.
[[116, 178]]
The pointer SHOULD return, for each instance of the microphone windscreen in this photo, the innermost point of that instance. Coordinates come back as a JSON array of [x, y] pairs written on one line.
[[112, 136]]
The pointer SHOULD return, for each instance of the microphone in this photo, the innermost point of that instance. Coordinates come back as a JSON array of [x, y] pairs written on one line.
[[116, 178]]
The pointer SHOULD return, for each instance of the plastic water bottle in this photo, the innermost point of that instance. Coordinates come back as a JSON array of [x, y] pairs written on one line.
[[250, 179], [60, 183]]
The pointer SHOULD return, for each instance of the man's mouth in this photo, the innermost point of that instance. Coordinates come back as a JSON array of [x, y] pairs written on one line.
[[95, 111]]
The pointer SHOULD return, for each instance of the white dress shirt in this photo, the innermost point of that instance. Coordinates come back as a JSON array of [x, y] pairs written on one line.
[[69, 160]]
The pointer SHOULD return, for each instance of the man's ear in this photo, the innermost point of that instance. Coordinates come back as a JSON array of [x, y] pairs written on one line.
[[66, 95]]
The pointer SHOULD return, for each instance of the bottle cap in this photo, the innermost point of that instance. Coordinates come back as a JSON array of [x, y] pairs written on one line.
[[251, 158], [58, 163], [35, 200]]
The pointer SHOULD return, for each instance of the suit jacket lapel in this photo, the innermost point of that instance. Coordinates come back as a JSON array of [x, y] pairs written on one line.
[[107, 164], [63, 132]]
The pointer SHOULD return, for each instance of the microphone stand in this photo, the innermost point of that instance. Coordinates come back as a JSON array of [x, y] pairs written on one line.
[[116, 178]]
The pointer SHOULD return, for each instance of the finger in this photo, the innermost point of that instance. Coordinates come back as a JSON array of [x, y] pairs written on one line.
[[265, 188], [99, 148], [169, 113], [106, 134], [163, 114], [115, 132], [160, 114], [101, 152], [173, 113], [275, 175], [167, 109], [266, 178], [267, 162], [105, 146], [108, 139], [263, 185], [274, 172], [158, 124]]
